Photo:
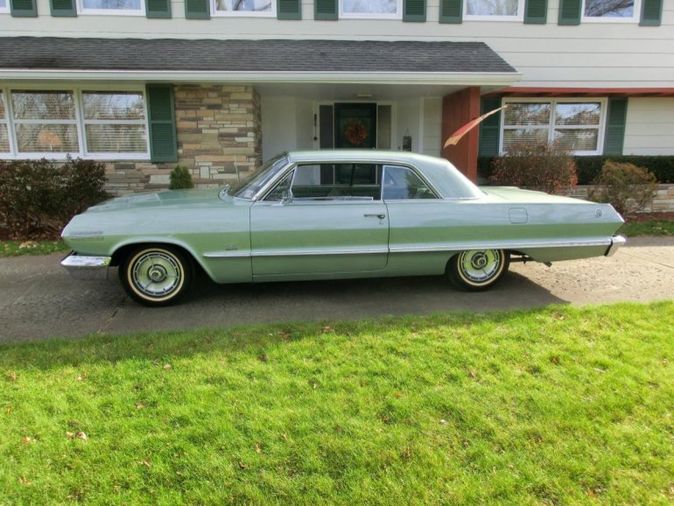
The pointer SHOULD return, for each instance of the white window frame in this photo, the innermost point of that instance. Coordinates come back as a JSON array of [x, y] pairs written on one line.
[[79, 121], [636, 15], [271, 13], [371, 15], [111, 12], [553, 101], [482, 17], [138, 122]]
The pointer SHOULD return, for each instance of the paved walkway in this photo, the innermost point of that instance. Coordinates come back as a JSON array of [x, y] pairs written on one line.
[[38, 299]]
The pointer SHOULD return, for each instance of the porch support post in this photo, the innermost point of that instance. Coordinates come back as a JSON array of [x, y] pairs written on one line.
[[457, 110]]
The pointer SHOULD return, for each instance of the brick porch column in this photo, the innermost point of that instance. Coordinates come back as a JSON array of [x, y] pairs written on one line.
[[457, 110]]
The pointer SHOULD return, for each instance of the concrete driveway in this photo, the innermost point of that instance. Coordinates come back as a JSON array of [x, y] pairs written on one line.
[[38, 299]]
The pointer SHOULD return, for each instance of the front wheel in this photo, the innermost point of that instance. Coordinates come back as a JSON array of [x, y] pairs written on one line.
[[476, 270], [156, 275]]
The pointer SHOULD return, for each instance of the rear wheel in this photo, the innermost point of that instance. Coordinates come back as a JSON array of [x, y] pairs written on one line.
[[156, 275], [476, 270]]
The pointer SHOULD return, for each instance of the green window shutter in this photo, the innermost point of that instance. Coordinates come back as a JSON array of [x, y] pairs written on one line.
[[289, 9], [569, 12], [490, 128], [414, 10], [536, 12], [325, 10], [158, 8], [197, 9], [63, 8], [651, 12], [23, 8], [451, 11], [615, 126], [161, 116]]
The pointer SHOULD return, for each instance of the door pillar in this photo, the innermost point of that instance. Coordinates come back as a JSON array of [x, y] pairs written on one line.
[[458, 109]]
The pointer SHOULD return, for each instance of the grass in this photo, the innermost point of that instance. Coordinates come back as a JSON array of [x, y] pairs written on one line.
[[20, 248], [554, 406], [632, 229]]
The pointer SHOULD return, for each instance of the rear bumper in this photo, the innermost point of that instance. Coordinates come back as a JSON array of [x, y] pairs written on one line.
[[616, 242], [86, 267]]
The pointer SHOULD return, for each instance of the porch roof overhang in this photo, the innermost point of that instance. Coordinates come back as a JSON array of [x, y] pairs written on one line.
[[264, 61]]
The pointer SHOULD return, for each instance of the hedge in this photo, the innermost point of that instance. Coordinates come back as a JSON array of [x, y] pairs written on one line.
[[38, 197], [589, 167]]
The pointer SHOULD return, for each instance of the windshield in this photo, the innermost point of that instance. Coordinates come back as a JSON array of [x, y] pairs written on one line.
[[248, 188]]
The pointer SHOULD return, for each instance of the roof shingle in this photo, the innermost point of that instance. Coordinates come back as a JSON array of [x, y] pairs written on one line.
[[248, 55]]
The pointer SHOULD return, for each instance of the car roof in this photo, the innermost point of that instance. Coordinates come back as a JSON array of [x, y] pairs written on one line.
[[442, 175]]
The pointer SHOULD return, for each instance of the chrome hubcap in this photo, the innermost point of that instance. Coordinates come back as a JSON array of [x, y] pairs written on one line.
[[156, 274], [479, 266]]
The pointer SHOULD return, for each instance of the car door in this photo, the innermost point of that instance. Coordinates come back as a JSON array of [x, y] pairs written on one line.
[[420, 221], [321, 220]]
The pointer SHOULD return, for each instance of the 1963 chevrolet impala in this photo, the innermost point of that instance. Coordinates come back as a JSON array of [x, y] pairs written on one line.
[[334, 214]]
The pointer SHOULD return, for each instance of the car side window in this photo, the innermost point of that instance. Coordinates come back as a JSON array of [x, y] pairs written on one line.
[[402, 183], [329, 182]]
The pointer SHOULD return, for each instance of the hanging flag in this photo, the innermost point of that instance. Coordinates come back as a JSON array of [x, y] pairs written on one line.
[[458, 135]]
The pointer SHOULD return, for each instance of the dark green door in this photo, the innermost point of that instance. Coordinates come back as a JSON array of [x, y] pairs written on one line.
[[356, 126]]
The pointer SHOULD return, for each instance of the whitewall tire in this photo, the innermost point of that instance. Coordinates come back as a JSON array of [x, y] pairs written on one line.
[[156, 275], [476, 270]]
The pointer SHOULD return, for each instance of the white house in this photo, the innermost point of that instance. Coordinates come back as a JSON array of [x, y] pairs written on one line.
[[218, 85]]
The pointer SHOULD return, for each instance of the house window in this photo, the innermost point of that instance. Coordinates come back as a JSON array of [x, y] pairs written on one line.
[[4, 126], [244, 7], [114, 122], [123, 7], [90, 123], [610, 10], [493, 10], [370, 9], [45, 122], [573, 124]]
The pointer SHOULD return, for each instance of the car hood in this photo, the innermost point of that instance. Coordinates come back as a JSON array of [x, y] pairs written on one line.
[[163, 199]]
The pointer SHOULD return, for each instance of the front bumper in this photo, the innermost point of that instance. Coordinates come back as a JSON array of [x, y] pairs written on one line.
[[86, 267], [616, 242]]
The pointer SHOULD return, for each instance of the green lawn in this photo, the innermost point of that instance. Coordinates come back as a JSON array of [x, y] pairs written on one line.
[[633, 229], [19, 248], [553, 406]]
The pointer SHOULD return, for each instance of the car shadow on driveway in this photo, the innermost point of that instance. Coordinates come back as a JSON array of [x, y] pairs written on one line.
[[213, 305]]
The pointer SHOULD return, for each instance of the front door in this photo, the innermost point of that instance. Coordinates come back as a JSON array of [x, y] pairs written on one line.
[[355, 126], [321, 220]]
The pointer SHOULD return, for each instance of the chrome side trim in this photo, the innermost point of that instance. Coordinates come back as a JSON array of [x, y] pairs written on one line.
[[617, 242], [509, 244], [424, 248], [86, 267], [227, 254]]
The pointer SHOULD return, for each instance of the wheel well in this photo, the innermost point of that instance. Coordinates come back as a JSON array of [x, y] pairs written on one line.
[[120, 254]]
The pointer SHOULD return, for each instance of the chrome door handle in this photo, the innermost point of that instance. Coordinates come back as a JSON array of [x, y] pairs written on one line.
[[381, 216]]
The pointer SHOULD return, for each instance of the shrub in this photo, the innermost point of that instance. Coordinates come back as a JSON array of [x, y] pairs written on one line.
[[625, 186], [589, 167], [39, 197], [181, 178], [544, 167]]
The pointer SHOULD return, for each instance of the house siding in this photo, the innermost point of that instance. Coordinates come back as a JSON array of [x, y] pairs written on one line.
[[591, 54]]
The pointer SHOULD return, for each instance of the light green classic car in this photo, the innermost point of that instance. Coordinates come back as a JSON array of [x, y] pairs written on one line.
[[334, 214]]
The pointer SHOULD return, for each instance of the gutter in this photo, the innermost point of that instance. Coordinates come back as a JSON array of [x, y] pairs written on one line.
[[390, 78]]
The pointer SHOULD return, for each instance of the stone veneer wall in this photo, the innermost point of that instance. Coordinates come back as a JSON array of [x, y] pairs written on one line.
[[219, 133]]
